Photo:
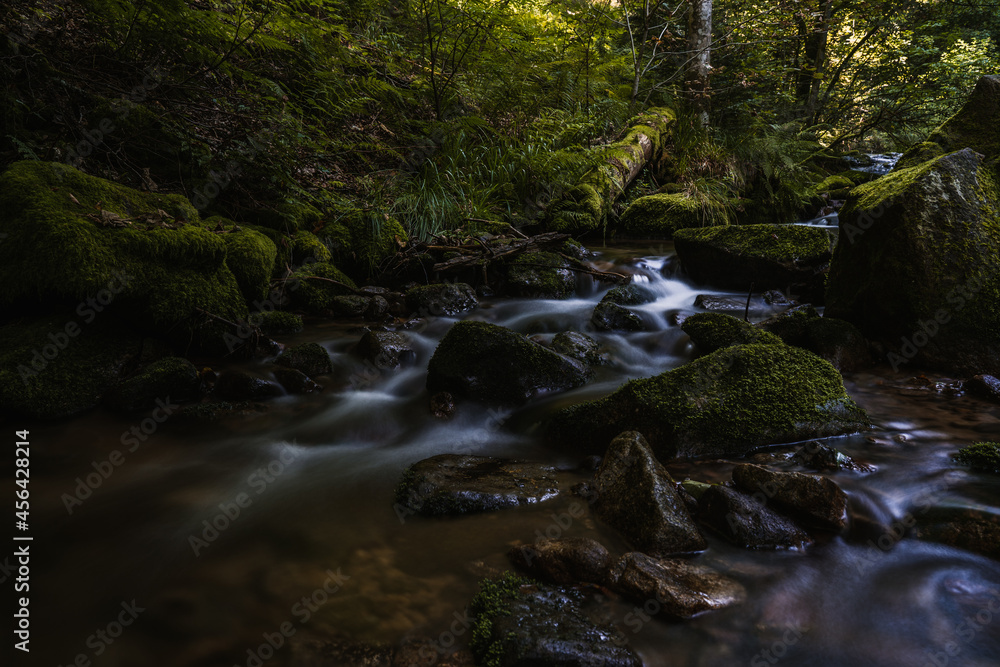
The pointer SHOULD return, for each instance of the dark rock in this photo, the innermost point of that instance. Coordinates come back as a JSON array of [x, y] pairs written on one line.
[[340, 653], [726, 403], [534, 625], [682, 589], [310, 358], [984, 386], [571, 560], [378, 308], [839, 342], [387, 349], [278, 322], [294, 381], [637, 497], [968, 528], [169, 379], [924, 245], [236, 385], [610, 316], [542, 275], [790, 326], [629, 295], [748, 523], [443, 405], [489, 363], [581, 347], [217, 411], [786, 257], [733, 305], [444, 300], [375, 290], [813, 498], [350, 305], [713, 331], [450, 484], [820, 457]]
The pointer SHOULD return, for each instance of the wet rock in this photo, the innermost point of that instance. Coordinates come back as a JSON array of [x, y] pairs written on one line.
[[489, 363], [237, 385], [813, 498], [983, 386], [387, 349], [529, 625], [294, 381], [340, 653], [378, 308], [541, 275], [610, 316], [713, 331], [748, 523], [786, 257], [443, 405], [351, 305], [450, 484], [970, 528], [566, 561], [310, 358], [636, 496], [936, 290], [726, 403], [682, 589], [217, 411], [581, 347], [820, 457], [169, 379], [444, 300], [839, 342], [629, 295], [733, 305]]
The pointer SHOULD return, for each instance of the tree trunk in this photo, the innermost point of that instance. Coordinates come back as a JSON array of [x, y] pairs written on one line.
[[583, 207], [699, 43]]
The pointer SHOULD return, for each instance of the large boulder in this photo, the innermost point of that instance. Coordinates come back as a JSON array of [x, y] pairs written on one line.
[[918, 264], [455, 484], [786, 257], [636, 496], [658, 216], [713, 331], [817, 500], [519, 624], [541, 275], [723, 404], [487, 362]]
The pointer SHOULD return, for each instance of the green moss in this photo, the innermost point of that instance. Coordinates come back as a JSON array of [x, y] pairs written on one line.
[[250, 255], [779, 243], [918, 154], [981, 456], [310, 358], [361, 241], [493, 600], [307, 247], [659, 216], [170, 379], [712, 331], [287, 216], [277, 322], [316, 296], [541, 275]]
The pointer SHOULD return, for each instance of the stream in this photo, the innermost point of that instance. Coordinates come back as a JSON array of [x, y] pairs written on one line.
[[301, 498]]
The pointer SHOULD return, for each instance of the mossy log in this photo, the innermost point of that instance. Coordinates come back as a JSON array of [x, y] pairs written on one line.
[[584, 207]]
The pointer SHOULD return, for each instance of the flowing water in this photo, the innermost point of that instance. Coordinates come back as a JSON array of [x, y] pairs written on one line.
[[312, 482]]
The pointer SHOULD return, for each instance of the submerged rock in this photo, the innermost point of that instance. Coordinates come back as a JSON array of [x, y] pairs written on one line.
[[542, 275], [387, 349], [610, 316], [237, 385], [813, 498], [340, 653], [637, 497], [310, 358], [581, 347], [747, 522], [565, 561], [712, 331], [450, 484], [489, 363], [821, 457], [971, 528], [521, 624], [443, 300], [680, 588], [723, 404]]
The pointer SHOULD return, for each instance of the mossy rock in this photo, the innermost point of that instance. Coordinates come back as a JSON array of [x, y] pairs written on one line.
[[609, 316], [917, 266], [166, 380], [836, 187], [723, 404], [307, 248], [791, 326], [251, 257], [360, 242], [287, 216], [975, 126], [316, 296], [791, 257], [713, 331], [918, 154], [309, 358], [581, 347], [55, 252], [489, 363], [981, 456], [542, 275], [659, 216], [442, 300], [278, 322], [60, 366]]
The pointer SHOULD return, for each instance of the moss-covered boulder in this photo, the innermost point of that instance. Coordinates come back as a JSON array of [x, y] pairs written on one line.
[[659, 216], [278, 322], [712, 331], [360, 242], [169, 379], [310, 358], [313, 287], [60, 366], [489, 363], [612, 314], [73, 237], [975, 126], [786, 257], [834, 187], [839, 342], [540, 275], [918, 264], [723, 404], [442, 300], [579, 346], [451, 484], [519, 623]]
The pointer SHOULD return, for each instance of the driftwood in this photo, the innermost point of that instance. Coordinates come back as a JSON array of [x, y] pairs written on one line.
[[488, 254]]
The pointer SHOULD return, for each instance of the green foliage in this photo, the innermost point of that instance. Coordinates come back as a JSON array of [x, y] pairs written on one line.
[[982, 456]]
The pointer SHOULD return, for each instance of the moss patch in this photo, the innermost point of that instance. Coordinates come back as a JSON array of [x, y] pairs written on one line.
[[309, 358], [981, 456], [277, 322], [493, 600], [713, 331], [360, 242], [659, 216], [316, 296]]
